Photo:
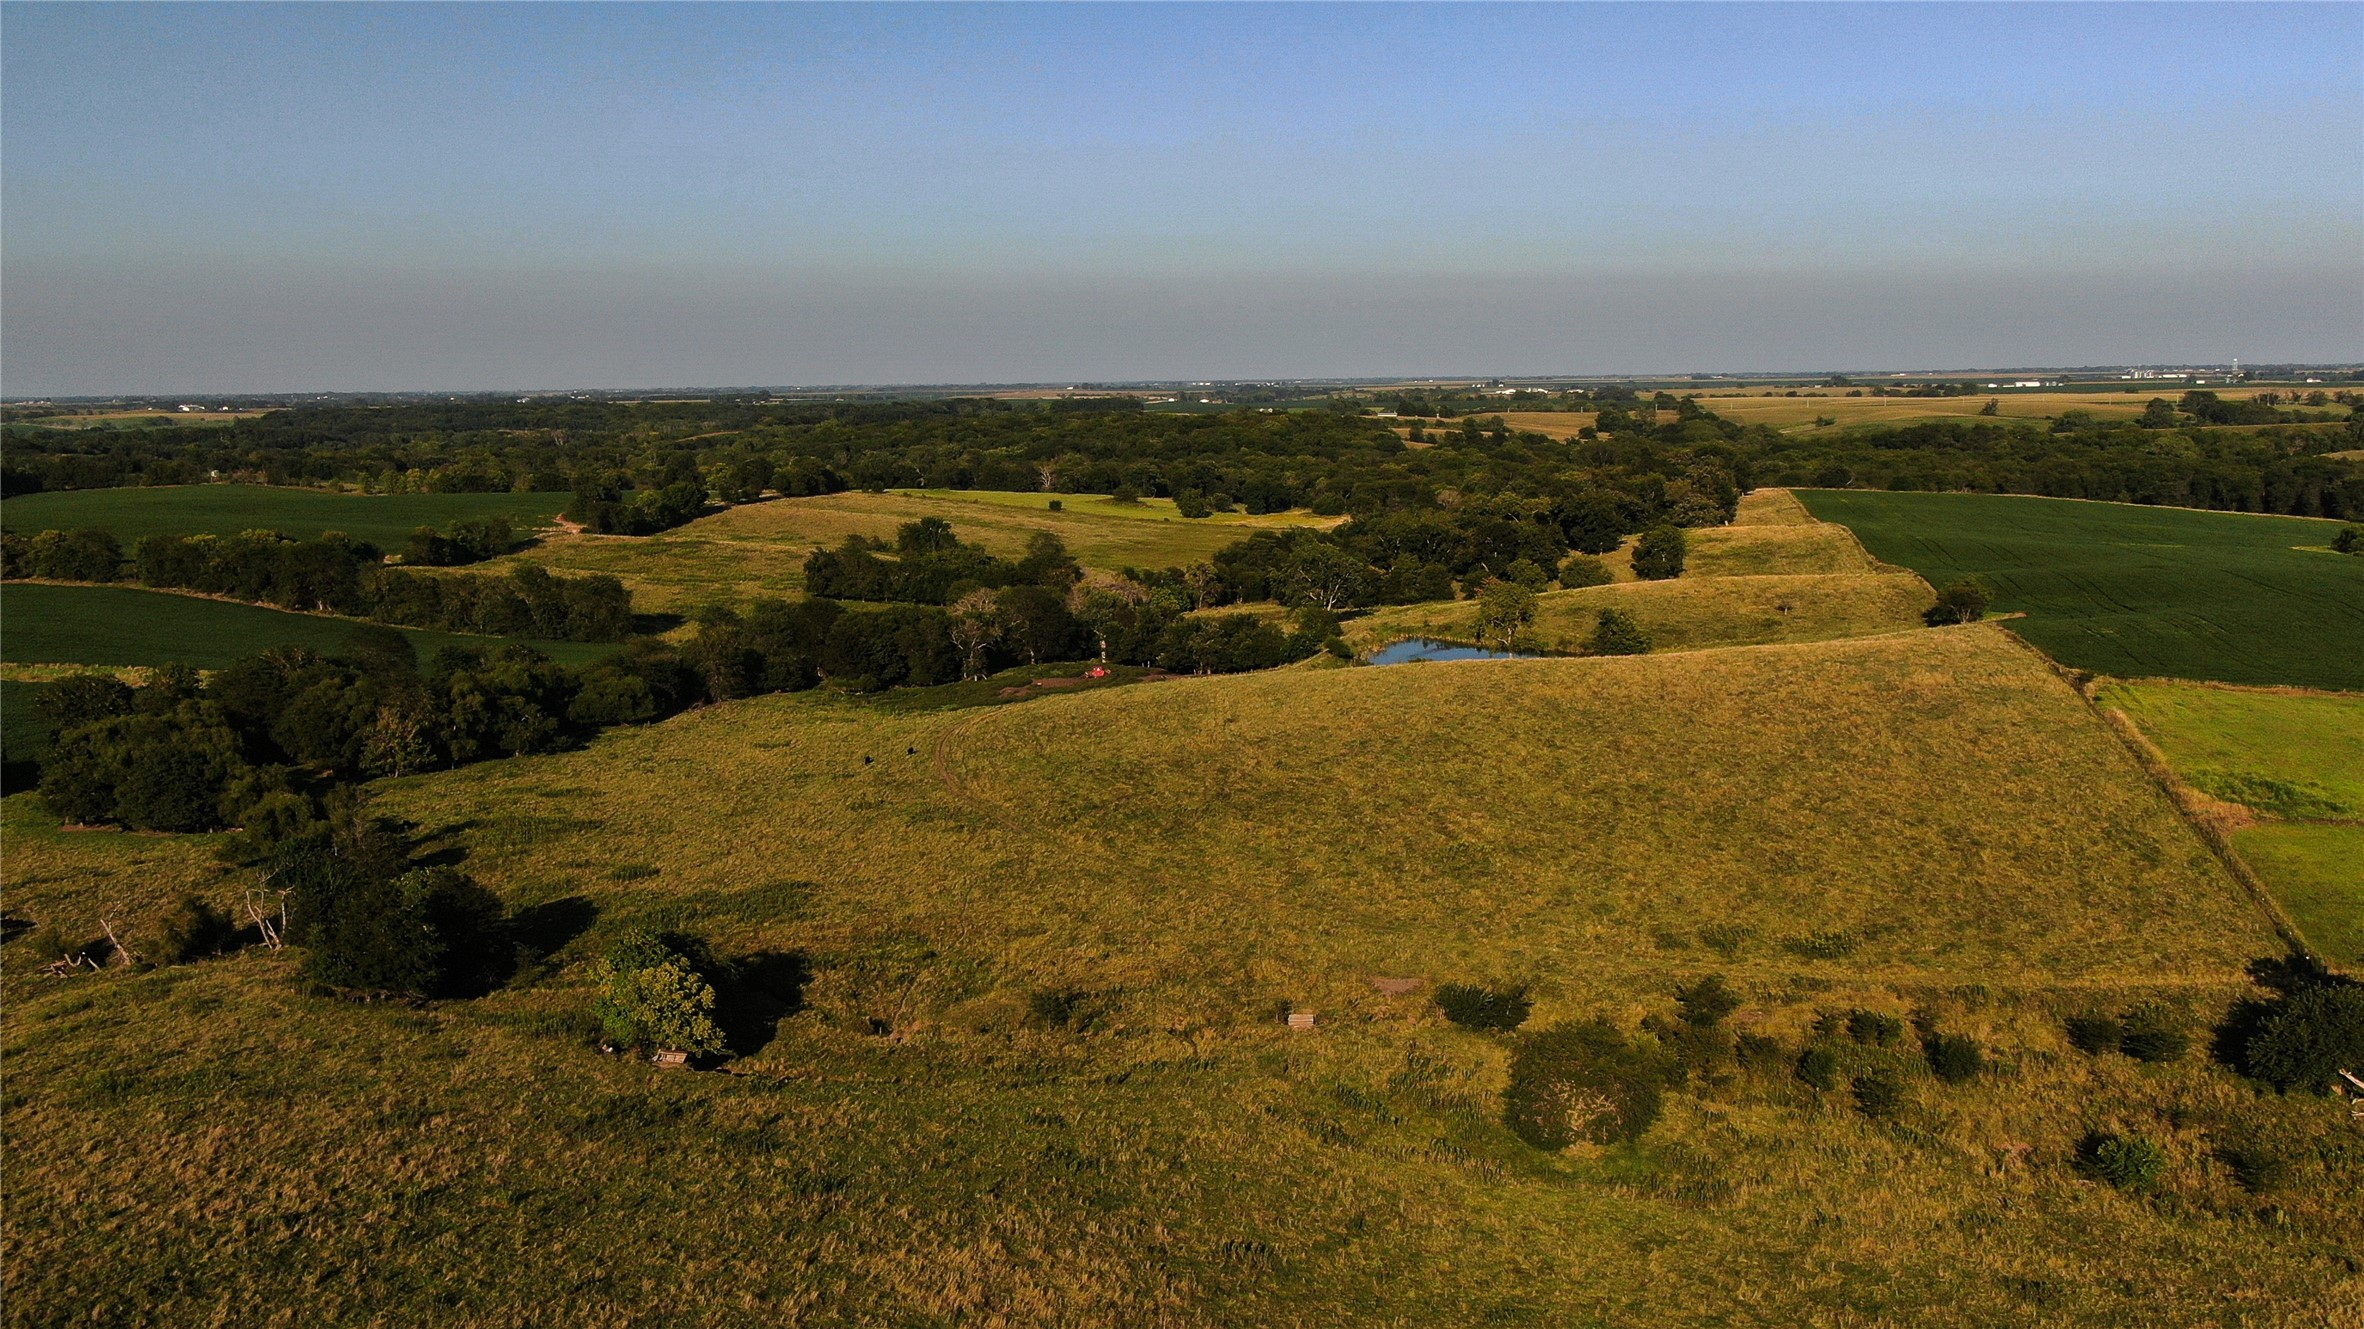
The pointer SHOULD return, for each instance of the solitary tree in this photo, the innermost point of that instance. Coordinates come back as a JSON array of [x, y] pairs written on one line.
[[1617, 634], [1099, 603], [975, 625], [651, 995], [1658, 555], [1505, 608], [1964, 601], [2159, 414]]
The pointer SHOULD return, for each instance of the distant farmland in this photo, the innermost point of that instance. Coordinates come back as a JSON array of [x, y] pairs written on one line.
[[121, 625], [383, 520], [2136, 592]]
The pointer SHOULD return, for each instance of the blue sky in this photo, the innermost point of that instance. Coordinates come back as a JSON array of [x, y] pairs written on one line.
[[234, 198]]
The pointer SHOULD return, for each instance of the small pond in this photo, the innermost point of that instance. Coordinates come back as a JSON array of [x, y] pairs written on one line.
[[1425, 648]]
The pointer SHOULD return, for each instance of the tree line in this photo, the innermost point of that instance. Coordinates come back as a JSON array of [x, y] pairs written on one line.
[[641, 467], [336, 574]]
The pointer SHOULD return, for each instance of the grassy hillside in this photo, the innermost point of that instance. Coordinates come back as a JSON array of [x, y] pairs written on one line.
[[915, 1143], [1774, 575], [383, 520], [122, 625], [1686, 614], [2295, 762], [2136, 592], [759, 549]]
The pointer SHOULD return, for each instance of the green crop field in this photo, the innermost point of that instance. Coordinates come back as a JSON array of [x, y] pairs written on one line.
[[383, 520], [2297, 762], [2136, 592], [123, 625], [760, 548], [911, 1141]]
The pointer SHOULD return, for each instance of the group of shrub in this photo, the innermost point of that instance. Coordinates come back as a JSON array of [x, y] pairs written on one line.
[[930, 564], [2151, 1032], [605, 503], [465, 542], [1413, 557], [1588, 1080], [260, 743], [337, 574]]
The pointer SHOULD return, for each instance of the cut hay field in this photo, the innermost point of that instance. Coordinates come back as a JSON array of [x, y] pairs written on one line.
[[915, 1143], [760, 548], [2135, 592], [385, 520], [123, 625], [2295, 762]]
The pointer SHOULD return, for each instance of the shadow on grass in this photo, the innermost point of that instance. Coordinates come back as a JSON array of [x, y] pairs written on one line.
[[754, 993], [545, 929]]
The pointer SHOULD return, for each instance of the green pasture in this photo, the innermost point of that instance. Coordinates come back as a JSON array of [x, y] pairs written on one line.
[[122, 625], [2295, 759], [2231, 742], [2135, 592], [385, 520], [2316, 872]]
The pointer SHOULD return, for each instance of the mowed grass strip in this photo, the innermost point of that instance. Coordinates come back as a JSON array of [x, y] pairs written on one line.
[[122, 625], [385, 520], [2136, 592], [1691, 613]]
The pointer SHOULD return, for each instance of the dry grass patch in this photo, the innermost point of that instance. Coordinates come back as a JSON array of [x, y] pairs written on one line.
[[1683, 615]]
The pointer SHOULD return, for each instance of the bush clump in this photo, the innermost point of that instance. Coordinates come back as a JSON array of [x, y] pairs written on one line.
[[1878, 1096], [1582, 570], [1474, 1006], [2128, 1162], [431, 932], [2308, 1038], [1953, 1058], [2155, 1032], [1960, 602], [1617, 634], [1874, 1029], [1753, 1051], [187, 928], [1585, 1081], [2093, 1033], [1819, 1067], [1707, 1002]]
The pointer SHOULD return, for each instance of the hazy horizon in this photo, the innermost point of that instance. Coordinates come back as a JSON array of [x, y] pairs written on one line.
[[241, 199]]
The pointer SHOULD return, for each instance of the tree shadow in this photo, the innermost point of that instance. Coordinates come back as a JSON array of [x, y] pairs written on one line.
[[655, 625], [754, 993], [544, 929]]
